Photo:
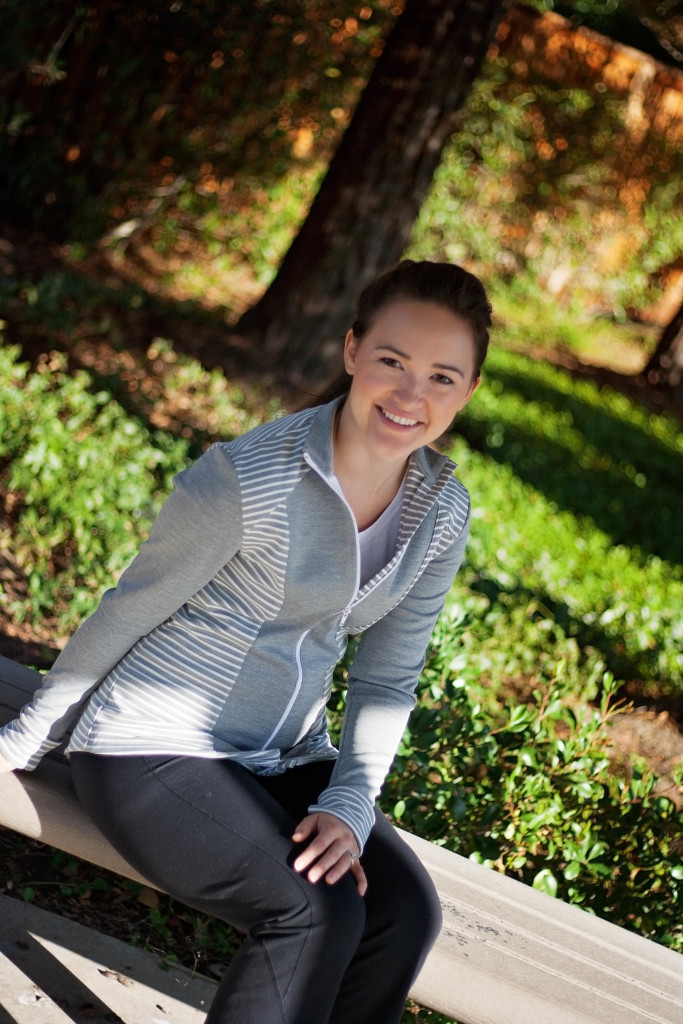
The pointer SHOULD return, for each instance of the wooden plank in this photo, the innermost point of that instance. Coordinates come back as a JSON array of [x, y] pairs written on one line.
[[508, 954], [17, 685], [55, 971]]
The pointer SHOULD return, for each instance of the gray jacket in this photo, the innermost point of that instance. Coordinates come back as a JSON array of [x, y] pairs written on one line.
[[221, 637]]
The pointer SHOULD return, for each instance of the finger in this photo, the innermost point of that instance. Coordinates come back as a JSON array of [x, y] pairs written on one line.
[[345, 865], [306, 827], [340, 864], [360, 877], [331, 866], [313, 852]]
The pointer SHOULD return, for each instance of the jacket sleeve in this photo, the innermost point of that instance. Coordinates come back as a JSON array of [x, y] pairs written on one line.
[[381, 692], [197, 531]]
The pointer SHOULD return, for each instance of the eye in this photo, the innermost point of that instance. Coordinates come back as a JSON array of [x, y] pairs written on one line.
[[390, 361], [441, 378]]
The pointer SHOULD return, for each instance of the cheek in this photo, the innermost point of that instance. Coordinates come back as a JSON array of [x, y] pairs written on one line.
[[370, 378], [453, 403]]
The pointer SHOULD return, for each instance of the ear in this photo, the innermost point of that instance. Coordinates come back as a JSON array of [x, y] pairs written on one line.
[[473, 387], [351, 344]]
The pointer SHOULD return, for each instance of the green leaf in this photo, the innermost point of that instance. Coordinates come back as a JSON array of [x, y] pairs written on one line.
[[520, 718], [458, 809], [546, 882], [528, 757]]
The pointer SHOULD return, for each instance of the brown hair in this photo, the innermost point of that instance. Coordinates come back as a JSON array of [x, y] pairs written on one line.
[[445, 284]]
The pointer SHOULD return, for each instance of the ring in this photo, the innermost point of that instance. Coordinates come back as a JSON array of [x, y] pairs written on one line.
[[353, 856]]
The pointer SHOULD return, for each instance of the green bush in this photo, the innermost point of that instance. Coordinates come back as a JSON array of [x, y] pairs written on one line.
[[530, 791], [575, 498], [85, 481]]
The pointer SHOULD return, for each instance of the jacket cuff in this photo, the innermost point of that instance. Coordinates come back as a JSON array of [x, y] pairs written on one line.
[[352, 808]]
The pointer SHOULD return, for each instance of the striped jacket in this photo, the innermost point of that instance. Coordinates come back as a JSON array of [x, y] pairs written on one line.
[[221, 637]]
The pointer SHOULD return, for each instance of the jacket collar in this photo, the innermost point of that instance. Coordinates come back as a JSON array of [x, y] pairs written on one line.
[[431, 469]]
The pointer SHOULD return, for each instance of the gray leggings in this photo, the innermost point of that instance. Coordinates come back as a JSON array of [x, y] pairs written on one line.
[[216, 837]]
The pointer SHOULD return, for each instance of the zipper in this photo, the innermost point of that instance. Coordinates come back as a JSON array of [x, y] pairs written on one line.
[[340, 495]]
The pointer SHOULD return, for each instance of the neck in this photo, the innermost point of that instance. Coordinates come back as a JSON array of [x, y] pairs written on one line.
[[369, 483]]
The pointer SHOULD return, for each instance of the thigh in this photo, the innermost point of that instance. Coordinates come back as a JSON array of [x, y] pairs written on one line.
[[206, 831]]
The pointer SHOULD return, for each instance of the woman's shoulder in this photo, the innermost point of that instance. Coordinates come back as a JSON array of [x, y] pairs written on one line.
[[284, 433], [271, 452], [439, 472]]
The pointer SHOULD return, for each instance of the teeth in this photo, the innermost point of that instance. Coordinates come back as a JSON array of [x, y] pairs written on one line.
[[401, 420]]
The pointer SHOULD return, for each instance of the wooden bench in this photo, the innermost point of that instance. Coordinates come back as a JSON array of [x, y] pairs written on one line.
[[506, 953]]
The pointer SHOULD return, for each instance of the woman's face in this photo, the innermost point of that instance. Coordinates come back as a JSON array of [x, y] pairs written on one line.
[[412, 372]]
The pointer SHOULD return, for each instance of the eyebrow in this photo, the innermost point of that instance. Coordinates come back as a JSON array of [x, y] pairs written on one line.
[[435, 366]]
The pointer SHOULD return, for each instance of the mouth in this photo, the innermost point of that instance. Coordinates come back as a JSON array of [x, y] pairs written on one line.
[[401, 421]]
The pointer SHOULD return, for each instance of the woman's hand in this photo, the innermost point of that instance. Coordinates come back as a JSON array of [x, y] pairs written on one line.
[[332, 852], [5, 766]]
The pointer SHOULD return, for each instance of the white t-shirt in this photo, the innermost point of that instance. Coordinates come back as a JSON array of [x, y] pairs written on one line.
[[378, 541]]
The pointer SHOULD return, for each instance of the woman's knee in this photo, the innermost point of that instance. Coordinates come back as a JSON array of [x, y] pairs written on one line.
[[417, 913], [426, 912], [337, 912], [401, 895]]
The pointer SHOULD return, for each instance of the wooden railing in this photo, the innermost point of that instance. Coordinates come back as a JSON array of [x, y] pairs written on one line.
[[506, 953]]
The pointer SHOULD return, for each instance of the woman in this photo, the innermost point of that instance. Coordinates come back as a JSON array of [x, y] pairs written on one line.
[[197, 690]]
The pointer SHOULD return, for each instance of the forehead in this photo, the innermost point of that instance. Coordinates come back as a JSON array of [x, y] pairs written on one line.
[[421, 325]]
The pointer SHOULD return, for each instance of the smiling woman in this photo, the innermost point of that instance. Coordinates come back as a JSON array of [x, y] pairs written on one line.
[[412, 372], [412, 361], [197, 691]]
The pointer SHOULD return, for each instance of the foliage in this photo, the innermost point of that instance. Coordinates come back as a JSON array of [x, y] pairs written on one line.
[[85, 482], [530, 791], [85, 478], [545, 182], [653, 26], [245, 232], [589, 484], [106, 108]]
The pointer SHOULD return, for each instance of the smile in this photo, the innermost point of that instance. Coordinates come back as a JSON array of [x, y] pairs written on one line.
[[402, 421]]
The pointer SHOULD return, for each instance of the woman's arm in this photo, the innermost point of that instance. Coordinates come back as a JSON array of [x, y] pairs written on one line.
[[198, 530], [381, 693]]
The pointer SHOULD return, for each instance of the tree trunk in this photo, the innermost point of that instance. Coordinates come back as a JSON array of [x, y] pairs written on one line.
[[665, 366], [362, 216]]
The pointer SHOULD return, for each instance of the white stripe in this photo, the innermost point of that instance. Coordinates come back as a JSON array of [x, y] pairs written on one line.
[[292, 699]]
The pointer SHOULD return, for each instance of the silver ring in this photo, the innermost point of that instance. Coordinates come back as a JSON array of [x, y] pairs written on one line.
[[353, 856]]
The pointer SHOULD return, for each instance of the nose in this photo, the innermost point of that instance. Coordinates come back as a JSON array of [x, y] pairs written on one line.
[[408, 390]]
